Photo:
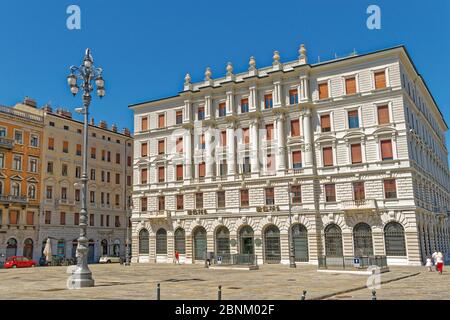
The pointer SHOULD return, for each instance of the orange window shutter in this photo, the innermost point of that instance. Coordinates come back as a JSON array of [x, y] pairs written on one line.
[[78, 147], [201, 169], [386, 149], [323, 90], [144, 149], [13, 217], [144, 175], [161, 174], [144, 124], [295, 128], [245, 133], [51, 143], [223, 138], [325, 121], [380, 79], [179, 171], [353, 113], [350, 85], [297, 157], [66, 145], [161, 121], [244, 196], [328, 156], [30, 218], [202, 139], [269, 129], [161, 146], [356, 153], [383, 114]]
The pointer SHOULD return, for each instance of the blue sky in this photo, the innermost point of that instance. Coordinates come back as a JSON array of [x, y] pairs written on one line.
[[146, 47]]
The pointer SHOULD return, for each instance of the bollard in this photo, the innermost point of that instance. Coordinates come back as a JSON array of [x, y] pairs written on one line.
[[219, 293], [303, 295], [158, 292], [374, 295]]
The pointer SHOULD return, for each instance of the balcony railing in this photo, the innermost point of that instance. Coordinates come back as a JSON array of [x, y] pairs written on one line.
[[352, 262], [160, 214], [21, 114], [362, 204], [6, 143], [13, 199]]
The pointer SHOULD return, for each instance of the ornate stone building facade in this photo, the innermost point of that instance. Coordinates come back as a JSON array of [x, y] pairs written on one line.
[[359, 142]]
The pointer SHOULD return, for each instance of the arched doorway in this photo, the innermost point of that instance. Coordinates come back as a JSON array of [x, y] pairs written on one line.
[[11, 248], [394, 239], [200, 245], [333, 241], [362, 240], [180, 241], [300, 240], [161, 241], [91, 251], [28, 248], [223, 241], [144, 245], [246, 240], [272, 247], [116, 248], [104, 245]]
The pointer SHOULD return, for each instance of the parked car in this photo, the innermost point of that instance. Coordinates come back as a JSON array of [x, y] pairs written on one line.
[[110, 259], [19, 262]]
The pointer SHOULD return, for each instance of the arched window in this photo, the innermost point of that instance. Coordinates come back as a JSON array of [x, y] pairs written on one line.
[[104, 245], [223, 241], [394, 239], [300, 240], [180, 241], [11, 248], [32, 191], [200, 243], [246, 240], [362, 240], [144, 246], [333, 241], [161, 241], [15, 189], [28, 248], [272, 250]]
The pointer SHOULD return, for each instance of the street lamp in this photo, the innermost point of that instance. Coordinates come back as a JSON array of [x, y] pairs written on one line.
[[86, 73], [290, 237]]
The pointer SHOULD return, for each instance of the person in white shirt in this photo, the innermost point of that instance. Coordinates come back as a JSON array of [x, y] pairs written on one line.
[[429, 264]]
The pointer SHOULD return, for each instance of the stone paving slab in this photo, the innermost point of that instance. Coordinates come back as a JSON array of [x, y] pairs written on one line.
[[178, 282]]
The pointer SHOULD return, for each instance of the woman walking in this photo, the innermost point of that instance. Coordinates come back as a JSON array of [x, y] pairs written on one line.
[[439, 262]]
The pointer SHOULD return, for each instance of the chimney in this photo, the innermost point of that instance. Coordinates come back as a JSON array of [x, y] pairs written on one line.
[[126, 132], [92, 122], [47, 108], [30, 102], [64, 113], [114, 128], [103, 124]]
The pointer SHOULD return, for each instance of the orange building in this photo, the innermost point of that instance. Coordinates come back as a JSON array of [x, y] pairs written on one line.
[[21, 136]]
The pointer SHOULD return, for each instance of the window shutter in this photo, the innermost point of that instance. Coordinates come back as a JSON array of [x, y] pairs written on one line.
[[323, 90], [244, 197], [383, 114], [30, 218], [179, 171], [380, 79], [144, 149], [269, 129], [297, 157], [161, 147], [295, 128], [245, 134], [13, 217], [161, 174], [325, 122], [223, 138], [386, 150], [328, 156], [350, 85], [144, 124], [51, 143], [161, 121], [201, 169], [144, 176], [356, 153]]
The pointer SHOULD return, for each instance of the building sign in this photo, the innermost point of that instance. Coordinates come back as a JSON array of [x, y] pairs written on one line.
[[267, 208], [197, 212]]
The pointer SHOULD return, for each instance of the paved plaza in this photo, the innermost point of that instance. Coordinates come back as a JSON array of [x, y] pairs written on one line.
[[178, 282]]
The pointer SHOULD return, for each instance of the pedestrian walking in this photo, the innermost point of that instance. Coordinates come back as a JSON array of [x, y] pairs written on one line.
[[177, 257], [433, 257], [429, 264], [440, 262]]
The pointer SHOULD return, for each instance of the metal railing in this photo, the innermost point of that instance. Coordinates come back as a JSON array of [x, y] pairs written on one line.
[[6, 143], [351, 262], [21, 114], [13, 199], [235, 259]]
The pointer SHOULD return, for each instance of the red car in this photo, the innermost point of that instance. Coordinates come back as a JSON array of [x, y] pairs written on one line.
[[19, 262]]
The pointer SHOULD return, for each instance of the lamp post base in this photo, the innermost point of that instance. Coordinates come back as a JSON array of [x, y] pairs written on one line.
[[81, 279]]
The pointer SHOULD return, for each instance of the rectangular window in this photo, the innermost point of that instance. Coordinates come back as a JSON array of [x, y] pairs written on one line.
[[144, 176], [223, 168], [17, 162], [48, 217], [270, 166], [92, 174], [269, 132], [201, 113], [179, 117], [2, 160], [76, 218], [323, 90], [49, 192], [143, 204], [91, 220], [78, 152], [92, 196], [201, 170], [199, 200], [117, 222], [293, 96], [77, 195], [33, 165], [356, 153], [244, 105], [325, 123], [144, 148], [246, 166], [179, 171], [66, 146], [93, 153], [30, 218], [380, 79], [358, 191], [350, 85], [268, 101], [390, 189], [3, 132], [103, 155], [296, 159], [180, 202], [161, 174], [13, 216], [161, 121], [222, 110], [144, 123], [18, 136], [117, 200], [223, 138], [295, 128], [202, 142], [270, 196], [353, 119], [296, 193], [330, 193], [221, 199], [327, 156], [246, 135], [129, 181], [117, 158], [34, 141], [386, 150], [62, 218], [129, 161], [117, 178], [383, 114], [51, 143], [102, 218], [107, 220], [244, 198], [161, 203], [161, 147], [64, 170], [63, 193], [179, 145]]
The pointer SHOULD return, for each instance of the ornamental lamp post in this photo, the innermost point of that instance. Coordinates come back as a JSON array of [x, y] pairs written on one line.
[[87, 73], [290, 237]]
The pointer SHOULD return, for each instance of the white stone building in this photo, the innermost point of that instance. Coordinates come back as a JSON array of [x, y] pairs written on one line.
[[360, 140]]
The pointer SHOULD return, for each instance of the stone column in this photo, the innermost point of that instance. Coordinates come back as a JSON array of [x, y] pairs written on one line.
[[231, 149], [281, 144], [253, 99], [307, 134], [254, 152], [188, 154], [284, 244], [277, 94], [209, 153], [189, 253]]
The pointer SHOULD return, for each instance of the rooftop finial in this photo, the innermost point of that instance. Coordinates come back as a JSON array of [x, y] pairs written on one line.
[[252, 63], [187, 79], [276, 57], [208, 74], [229, 69], [302, 57]]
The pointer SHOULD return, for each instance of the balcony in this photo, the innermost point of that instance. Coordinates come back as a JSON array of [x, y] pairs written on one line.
[[66, 202], [13, 199], [160, 214], [359, 205], [6, 143]]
